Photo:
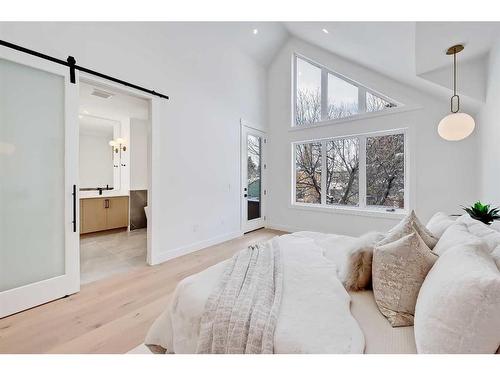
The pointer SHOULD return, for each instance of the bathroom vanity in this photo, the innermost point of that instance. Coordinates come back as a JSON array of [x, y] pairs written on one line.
[[103, 213]]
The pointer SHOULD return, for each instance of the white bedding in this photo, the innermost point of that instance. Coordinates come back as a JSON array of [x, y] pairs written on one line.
[[314, 316]]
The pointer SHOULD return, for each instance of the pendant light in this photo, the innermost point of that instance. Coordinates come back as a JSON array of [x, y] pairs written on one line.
[[457, 125]]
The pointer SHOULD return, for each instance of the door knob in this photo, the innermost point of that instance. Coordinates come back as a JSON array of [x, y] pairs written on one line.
[[245, 195]]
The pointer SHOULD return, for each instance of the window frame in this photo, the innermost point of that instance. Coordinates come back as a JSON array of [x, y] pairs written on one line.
[[362, 91], [362, 208]]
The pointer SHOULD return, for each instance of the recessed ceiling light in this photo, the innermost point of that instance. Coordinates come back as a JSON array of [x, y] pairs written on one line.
[[255, 31], [325, 31]]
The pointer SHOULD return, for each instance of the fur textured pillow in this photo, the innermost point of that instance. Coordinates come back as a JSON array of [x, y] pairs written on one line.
[[458, 305], [357, 271], [408, 225], [353, 258], [398, 271]]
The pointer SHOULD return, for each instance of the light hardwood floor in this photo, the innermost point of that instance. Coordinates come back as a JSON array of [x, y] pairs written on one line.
[[114, 314]]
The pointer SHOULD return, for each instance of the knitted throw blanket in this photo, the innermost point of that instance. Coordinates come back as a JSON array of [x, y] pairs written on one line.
[[241, 314]]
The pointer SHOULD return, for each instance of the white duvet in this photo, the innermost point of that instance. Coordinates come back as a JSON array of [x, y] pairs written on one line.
[[314, 316]]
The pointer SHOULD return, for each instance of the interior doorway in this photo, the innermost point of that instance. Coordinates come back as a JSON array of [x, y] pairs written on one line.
[[253, 181], [114, 175]]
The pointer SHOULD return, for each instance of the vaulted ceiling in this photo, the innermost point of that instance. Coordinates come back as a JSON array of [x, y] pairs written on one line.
[[410, 52]]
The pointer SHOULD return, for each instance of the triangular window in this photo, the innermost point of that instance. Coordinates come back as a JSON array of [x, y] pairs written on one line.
[[322, 95]]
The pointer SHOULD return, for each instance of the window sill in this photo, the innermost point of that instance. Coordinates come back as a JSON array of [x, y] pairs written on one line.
[[361, 116], [379, 213]]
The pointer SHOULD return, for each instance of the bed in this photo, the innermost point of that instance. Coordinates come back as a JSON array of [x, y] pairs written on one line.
[[317, 314]]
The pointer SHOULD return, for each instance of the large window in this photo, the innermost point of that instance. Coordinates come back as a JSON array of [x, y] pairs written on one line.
[[365, 171], [322, 95], [308, 172]]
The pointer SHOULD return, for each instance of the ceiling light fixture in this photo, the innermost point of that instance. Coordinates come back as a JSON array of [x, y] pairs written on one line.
[[255, 31], [325, 31], [456, 126]]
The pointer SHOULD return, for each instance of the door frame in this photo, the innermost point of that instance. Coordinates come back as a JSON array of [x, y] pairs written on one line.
[[245, 224], [153, 158], [37, 293]]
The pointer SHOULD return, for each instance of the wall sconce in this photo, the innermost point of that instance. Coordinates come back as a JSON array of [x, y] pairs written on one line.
[[119, 145]]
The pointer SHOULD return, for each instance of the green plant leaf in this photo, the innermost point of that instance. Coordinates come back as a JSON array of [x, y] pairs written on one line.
[[482, 212]]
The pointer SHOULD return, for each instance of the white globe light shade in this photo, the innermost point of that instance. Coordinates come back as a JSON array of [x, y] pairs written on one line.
[[456, 126]]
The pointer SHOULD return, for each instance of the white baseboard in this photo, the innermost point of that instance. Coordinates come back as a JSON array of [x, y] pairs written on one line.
[[284, 228], [183, 250]]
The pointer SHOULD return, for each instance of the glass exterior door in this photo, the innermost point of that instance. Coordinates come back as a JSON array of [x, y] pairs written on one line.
[[252, 179], [38, 168]]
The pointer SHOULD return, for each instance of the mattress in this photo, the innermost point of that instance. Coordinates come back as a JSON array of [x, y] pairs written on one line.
[[380, 336]]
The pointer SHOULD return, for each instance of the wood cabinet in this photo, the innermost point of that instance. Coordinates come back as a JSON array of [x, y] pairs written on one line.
[[103, 213]]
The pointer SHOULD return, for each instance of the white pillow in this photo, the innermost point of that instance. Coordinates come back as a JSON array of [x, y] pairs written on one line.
[[439, 222], [456, 234], [496, 225], [406, 226], [496, 255], [458, 307], [481, 230]]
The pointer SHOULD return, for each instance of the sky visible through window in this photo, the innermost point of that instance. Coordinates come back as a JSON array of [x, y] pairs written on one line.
[[343, 98]]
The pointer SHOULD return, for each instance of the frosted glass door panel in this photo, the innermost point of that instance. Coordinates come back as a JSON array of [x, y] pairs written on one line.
[[32, 165]]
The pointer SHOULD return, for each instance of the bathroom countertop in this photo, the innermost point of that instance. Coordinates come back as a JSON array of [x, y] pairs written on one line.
[[105, 194]]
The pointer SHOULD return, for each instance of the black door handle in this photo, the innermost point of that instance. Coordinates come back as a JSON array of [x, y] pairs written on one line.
[[74, 208], [245, 195]]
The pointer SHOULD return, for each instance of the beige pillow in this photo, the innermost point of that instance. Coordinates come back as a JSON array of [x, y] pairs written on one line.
[[399, 269], [458, 307], [409, 224], [438, 223]]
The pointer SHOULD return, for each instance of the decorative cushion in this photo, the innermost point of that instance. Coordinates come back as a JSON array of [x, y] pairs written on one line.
[[353, 257], [496, 225], [399, 269], [409, 224], [357, 271], [456, 234], [459, 303], [496, 256], [488, 234], [439, 223]]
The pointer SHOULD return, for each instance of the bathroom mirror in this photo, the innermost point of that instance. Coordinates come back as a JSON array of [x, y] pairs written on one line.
[[99, 163]]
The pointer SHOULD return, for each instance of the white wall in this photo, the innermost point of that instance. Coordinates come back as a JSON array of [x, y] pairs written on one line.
[[139, 171], [488, 124], [212, 84], [96, 161], [442, 174]]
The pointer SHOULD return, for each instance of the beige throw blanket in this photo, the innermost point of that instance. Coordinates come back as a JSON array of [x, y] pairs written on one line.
[[240, 315]]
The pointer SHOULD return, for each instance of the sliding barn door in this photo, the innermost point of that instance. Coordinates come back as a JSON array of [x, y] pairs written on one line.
[[39, 250]]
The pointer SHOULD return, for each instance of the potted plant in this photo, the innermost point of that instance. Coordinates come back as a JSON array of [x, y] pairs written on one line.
[[483, 213]]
